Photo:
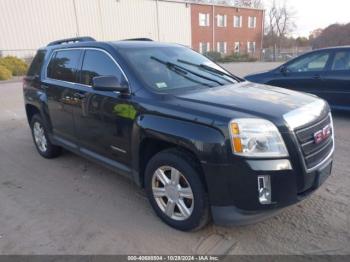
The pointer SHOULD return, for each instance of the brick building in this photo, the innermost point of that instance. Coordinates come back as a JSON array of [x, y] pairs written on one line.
[[204, 27], [227, 29]]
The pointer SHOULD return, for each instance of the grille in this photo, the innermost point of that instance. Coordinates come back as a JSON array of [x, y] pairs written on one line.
[[314, 153]]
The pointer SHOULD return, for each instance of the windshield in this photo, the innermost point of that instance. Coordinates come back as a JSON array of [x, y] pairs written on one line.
[[169, 68]]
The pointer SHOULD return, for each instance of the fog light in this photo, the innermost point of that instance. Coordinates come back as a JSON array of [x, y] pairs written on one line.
[[264, 189]]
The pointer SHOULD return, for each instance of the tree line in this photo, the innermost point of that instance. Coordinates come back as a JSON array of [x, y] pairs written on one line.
[[333, 35]]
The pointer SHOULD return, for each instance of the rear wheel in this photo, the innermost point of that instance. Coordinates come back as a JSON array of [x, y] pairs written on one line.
[[176, 191], [41, 138]]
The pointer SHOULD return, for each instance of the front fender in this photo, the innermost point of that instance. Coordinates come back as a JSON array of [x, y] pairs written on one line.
[[207, 143]]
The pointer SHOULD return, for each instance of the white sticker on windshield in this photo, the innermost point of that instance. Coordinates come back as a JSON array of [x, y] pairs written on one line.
[[161, 85]]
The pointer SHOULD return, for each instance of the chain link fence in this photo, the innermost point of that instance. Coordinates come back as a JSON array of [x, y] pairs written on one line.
[[274, 55]]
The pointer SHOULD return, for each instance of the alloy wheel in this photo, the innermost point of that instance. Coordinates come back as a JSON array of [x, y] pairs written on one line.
[[39, 136], [173, 193]]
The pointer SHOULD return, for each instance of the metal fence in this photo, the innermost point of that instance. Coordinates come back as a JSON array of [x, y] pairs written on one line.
[[282, 55]]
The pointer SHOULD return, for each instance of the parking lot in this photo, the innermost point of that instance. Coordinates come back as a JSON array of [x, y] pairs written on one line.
[[72, 206]]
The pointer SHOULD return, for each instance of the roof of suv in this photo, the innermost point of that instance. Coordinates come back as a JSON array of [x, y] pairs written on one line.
[[333, 48], [90, 42], [135, 44]]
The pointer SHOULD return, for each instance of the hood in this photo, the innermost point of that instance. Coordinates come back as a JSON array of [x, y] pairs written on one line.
[[247, 98]]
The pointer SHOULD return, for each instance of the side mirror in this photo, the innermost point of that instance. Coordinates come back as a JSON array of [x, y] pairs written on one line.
[[283, 70], [109, 84]]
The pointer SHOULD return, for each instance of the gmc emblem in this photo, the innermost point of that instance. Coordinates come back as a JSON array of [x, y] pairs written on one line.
[[323, 134]]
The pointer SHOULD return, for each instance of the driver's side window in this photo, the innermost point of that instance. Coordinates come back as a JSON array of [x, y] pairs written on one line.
[[309, 63], [97, 63]]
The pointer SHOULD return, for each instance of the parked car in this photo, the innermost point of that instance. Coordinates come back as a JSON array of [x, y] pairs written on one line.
[[202, 142], [325, 73]]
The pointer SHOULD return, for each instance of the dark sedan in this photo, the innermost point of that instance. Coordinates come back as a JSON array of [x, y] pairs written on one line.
[[324, 72]]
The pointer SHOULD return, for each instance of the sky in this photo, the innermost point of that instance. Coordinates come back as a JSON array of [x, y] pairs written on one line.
[[313, 14]]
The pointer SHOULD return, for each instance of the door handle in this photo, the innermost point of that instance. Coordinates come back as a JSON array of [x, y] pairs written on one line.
[[79, 95], [316, 77]]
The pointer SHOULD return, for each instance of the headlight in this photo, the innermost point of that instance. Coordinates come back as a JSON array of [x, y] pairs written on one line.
[[253, 137]]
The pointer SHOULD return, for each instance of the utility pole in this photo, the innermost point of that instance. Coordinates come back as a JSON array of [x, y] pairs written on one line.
[[158, 30], [76, 19], [100, 20], [213, 25]]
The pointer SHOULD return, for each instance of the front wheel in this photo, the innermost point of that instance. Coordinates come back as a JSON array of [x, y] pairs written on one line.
[[176, 191]]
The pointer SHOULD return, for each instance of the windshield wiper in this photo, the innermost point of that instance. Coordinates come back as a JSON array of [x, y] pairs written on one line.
[[211, 69], [176, 67]]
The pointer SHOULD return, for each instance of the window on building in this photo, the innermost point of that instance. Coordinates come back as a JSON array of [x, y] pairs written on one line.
[[204, 47], [236, 47], [204, 19], [252, 22], [251, 47], [64, 65], [222, 20], [97, 63], [222, 47], [237, 21]]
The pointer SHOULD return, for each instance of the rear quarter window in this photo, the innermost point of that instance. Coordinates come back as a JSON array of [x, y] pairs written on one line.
[[37, 64], [64, 65]]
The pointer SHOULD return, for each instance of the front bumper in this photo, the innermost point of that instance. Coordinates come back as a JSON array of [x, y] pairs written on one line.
[[232, 216], [233, 189]]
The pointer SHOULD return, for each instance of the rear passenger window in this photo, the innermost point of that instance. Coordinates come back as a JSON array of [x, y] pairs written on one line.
[[97, 63], [37, 63], [64, 65], [341, 61]]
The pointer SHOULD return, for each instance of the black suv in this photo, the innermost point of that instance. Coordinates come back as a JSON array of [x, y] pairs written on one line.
[[202, 142]]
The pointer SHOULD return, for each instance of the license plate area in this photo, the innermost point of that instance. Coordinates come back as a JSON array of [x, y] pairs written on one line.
[[323, 175]]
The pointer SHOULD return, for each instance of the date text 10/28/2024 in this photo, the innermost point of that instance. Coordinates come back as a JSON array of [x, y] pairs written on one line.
[[173, 258]]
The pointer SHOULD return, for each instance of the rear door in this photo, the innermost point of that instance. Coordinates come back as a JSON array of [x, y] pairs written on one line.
[[104, 120], [337, 80], [305, 74], [60, 81]]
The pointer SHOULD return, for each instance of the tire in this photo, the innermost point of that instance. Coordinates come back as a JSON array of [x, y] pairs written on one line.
[[172, 201], [41, 141]]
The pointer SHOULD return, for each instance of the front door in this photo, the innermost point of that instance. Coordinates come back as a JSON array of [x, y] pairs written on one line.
[[305, 74], [104, 120]]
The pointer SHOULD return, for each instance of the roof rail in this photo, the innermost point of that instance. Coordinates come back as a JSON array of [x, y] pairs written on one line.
[[138, 39], [72, 40]]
